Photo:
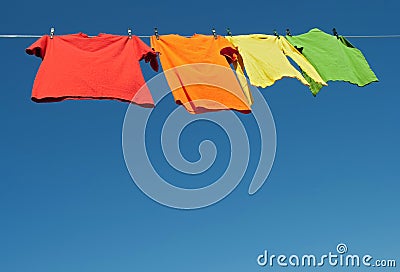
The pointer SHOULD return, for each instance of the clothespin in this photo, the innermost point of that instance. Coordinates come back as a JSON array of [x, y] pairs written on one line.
[[276, 34], [130, 33], [214, 33], [51, 32], [228, 32], [335, 33], [156, 33], [288, 32]]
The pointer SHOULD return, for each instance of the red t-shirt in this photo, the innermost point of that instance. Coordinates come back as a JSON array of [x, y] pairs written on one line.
[[103, 67]]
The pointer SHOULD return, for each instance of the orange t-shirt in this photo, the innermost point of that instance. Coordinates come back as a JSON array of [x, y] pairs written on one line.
[[106, 66], [198, 72]]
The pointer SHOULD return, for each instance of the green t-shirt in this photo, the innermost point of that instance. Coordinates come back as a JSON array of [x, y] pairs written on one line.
[[334, 59]]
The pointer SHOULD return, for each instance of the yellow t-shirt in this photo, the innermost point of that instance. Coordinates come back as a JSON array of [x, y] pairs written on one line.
[[265, 59]]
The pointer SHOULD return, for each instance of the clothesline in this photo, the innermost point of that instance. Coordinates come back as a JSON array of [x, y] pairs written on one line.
[[147, 36], [111, 75]]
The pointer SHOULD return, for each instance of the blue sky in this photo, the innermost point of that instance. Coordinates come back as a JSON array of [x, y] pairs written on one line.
[[68, 203]]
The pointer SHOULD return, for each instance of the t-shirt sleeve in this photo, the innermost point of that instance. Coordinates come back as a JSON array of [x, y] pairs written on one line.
[[145, 52], [228, 50], [38, 48], [290, 51]]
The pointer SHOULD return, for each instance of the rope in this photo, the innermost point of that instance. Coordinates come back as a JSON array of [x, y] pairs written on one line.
[[144, 36], [20, 36], [38, 36], [376, 36]]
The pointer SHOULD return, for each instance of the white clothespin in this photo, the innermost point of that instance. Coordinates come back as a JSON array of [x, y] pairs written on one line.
[[214, 33], [156, 33], [51, 32]]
